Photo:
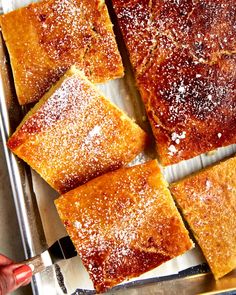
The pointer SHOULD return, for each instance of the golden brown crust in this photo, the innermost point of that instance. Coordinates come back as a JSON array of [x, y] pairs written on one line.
[[208, 202], [184, 58], [44, 39], [123, 224], [74, 134]]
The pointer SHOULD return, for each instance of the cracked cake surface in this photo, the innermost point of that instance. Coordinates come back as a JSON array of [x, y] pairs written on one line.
[[184, 58], [207, 200], [74, 134], [123, 224], [44, 39]]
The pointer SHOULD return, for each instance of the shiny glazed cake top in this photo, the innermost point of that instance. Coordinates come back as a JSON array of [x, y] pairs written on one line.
[[208, 202], [184, 57], [44, 39], [123, 224], [74, 134]]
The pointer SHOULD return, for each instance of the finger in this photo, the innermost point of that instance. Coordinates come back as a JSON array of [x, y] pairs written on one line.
[[11, 279], [7, 281], [14, 266], [26, 282], [5, 260], [22, 274]]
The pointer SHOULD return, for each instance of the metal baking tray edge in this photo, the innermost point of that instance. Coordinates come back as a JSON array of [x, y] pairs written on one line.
[[33, 238], [30, 224]]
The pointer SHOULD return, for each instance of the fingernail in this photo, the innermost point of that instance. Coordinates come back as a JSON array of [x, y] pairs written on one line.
[[31, 266], [22, 274]]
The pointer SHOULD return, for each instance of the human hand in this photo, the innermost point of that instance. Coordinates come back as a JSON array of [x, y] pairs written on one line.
[[13, 276]]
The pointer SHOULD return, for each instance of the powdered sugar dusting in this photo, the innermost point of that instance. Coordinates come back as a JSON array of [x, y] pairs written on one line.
[[58, 34], [77, 135], [124, 224], [208, 184], [177, 137], [172, 150], [95, 132], [207, 200], [185, 71]]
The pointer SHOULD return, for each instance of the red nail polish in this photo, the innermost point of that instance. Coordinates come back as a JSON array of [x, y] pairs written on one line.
[[22, 273]]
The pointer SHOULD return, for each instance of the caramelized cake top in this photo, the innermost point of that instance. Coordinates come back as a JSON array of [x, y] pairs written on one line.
[[44, 39], [123, 224], [184, 57], [208, 202], [74, 134]]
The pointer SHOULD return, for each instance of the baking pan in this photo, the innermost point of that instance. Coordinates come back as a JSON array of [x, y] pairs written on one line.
[[32, 234], [27, 187]]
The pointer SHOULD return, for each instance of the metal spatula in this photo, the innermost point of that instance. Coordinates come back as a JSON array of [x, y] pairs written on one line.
[[60, 250]]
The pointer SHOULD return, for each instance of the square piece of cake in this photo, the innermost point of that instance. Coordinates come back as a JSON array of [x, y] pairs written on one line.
[[123, 224], [74, 134], [208, 202], [46, 38], [184, 58]]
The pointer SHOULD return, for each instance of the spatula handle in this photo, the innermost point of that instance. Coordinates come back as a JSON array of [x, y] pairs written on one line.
[[39, 263], [35, 263]]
